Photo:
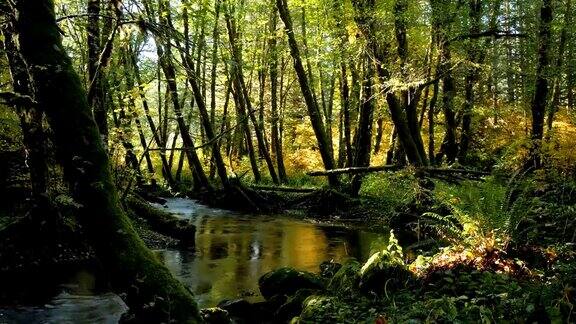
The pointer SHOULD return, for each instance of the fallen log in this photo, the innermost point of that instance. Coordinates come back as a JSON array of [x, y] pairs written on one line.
[[354, 170], [284, 189], [161, 221], [393, 168], [456, 171]]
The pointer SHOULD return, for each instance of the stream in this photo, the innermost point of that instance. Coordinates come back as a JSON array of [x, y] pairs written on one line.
[[232, 251]]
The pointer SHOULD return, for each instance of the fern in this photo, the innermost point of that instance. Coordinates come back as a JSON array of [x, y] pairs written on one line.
[[385, 256], [446, 227]]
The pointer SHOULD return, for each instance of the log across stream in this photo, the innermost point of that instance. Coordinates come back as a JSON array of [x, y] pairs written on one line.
[[232, 251]]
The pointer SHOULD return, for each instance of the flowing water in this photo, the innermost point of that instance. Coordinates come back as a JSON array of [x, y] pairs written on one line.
[[232, 251]]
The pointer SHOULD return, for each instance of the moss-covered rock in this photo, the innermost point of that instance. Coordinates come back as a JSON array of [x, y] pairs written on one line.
[[287, 281], [346, 279], [329, 268], [215, 315], [380, 280], [293, 306], [162, 221]]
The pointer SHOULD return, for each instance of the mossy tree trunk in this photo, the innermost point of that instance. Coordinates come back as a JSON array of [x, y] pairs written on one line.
[[30, 117], [59, 91]]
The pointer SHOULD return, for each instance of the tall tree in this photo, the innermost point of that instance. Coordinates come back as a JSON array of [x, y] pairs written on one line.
[[541, 90], [326, 151], [239, 78], [60, 94], [275, 137], [366, 20], [558, 65], [164, 50]]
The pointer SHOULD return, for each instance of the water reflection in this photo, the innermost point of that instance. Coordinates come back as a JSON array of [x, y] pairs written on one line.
[[234, 250], [69, 309]]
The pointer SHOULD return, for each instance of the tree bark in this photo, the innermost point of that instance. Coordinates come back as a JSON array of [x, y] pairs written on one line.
[[96, 96], [541, 86], [60, 94], [326, 151], [556, 91], [239, 77], [364, 139], [275, 123], [475, 16], [30, 117]]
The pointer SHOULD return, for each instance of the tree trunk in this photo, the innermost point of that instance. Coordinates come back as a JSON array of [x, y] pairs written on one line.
[[59, 92], [345, 99], [165, 60], [364, 17], [312, 105], [205, 118], [554, 105], [30, 118], [571, 76], [541, 86], [129, 81], [475, 15], [364, 139], [166, 171], [96, 95], [239, 77], [273, 66], [449, 145]]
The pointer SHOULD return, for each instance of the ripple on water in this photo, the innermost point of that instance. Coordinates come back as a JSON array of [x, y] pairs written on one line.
[[233, 250], [67, 308]]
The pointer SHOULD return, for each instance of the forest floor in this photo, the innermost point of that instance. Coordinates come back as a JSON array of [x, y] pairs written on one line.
[[472, 251], [469, 251]]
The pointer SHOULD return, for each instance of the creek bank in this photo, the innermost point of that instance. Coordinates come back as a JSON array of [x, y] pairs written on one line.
[[445, 292], [39, 251], [44, 246], [160, 221]]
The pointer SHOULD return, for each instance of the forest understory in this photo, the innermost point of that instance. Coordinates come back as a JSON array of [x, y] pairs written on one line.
[[448, 128]]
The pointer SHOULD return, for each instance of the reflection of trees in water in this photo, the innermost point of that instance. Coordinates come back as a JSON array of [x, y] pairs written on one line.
[[218, 250], [342, 238], [233, 252]]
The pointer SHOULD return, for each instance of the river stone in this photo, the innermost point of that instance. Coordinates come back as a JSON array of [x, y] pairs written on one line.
[[237, 307], [215, 315], [347, 278], [379, 280], [329, 268], [293, 307], [287, 281]]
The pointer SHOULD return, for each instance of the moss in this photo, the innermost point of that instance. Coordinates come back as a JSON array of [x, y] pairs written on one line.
[[162, 222], [346, 279], [148, 287], [287, 281]]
